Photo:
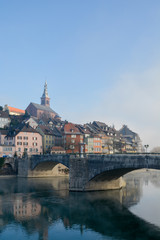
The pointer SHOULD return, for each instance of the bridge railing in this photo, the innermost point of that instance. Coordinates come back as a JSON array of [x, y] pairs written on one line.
[[88, 155]]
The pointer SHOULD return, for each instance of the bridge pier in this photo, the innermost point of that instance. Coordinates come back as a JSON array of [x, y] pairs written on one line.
[[79, 178], [23, 167], [78, 175]]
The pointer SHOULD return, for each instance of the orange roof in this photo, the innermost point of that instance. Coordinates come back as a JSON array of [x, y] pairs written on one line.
[[16, 110]]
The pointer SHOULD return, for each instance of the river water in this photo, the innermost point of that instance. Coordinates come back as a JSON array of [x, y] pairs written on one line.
[[43, 209]]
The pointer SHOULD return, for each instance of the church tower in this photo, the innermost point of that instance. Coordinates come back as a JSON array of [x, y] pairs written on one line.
[[45, 100]]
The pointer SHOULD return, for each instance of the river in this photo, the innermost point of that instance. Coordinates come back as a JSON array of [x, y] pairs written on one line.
[[44, 209]]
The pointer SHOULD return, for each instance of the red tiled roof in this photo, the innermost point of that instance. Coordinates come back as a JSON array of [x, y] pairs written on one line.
[[71, 128], [16, 110]]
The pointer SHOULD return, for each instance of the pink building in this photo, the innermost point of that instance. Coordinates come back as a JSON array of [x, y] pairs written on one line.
[[7, 151], [26, 140]]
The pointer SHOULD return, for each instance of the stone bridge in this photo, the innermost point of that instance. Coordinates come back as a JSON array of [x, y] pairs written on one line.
[[90, 172]]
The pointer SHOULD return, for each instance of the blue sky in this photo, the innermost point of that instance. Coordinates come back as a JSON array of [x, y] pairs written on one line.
[[101, 59]]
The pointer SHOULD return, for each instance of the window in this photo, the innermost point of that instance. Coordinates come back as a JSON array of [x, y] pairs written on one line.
[[19, 143], [25, 143], [19, 149], [72, 141], [7, 149], [19, 137], [25, 138], [73, 136]]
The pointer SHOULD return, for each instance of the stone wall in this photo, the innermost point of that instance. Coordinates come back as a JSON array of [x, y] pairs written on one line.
[[92, 172]]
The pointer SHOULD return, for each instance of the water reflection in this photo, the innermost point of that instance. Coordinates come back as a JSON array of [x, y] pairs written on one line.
[[44, 209], [148, 204]]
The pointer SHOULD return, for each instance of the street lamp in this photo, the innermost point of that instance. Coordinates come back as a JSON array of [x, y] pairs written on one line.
[[146, 146]]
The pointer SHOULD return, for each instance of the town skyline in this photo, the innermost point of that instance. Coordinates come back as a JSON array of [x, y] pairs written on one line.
[[100, 59], [83, 123]]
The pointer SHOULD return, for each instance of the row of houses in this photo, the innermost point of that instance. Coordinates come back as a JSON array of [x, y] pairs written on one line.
[[26, 134], [40, 130]]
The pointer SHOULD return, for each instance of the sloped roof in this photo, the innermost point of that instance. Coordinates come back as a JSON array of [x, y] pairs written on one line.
[[21, 128], [27, 128], [100, 124], [48, 131], [94, 129], [30, 117], [125, 131], [43, 108], [83, 129], [16, 110], [71, 128]]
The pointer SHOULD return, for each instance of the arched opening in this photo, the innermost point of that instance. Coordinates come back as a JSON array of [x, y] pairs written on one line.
[[50, 169], [7, 166], [7, 169], [108, 180]]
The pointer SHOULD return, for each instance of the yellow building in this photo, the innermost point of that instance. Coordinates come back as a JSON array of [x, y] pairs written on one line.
[[50, 137]]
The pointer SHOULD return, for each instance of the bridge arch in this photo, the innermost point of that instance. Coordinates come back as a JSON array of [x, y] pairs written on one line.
[[93, 171], [49, 169], [107, 180], [8, 166]]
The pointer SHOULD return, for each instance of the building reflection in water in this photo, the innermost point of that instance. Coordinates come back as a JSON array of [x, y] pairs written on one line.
[[38, 204], [25, 209]]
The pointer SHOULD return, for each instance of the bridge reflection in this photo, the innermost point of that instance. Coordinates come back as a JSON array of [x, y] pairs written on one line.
[[38, 204]]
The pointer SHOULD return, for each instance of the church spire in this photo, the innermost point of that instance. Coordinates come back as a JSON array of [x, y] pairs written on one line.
[[45, 100]]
